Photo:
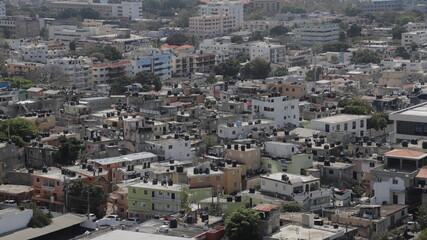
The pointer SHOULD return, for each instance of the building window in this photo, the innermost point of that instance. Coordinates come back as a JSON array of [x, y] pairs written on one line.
[[331, 171], [362, 123], [395, 181], [269, 165], [263, 182], [345, 126], [218, 178], [371, 164], [200, 180], [170, 146], [145, 192], [142, 204], [134, 190], [354, 125]]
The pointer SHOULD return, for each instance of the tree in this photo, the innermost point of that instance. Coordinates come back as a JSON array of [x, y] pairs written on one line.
[[365, 56], [259, 68], [149, 80], [352, 11], [18, 128], [279, 31], [72, 45], [354, 30], [68, 152], [378, 121], [422, 235], [290, 207], [242, 57], [111, 53], [78, 195], [334, 59], [243, 224], [335, 47], [39, 218], [404, 19], [397, 31], [280, 71], [342, 37], [401, 52], [257, 36], [210, 140], [89, 13], [184, 17], [356, 106], [49, 74], [421, 217], [20, 83], [292, 9], [395, 234], [237, 39], [309, 76], [119, 85], [230, 68], [177, 39]]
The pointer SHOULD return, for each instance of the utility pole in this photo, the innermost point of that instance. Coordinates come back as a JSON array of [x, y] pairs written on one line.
[[65, 196], [88, 205]]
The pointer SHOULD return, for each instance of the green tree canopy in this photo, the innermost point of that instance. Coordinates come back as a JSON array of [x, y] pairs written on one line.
[[397, 31], [279, 31], [89, 13], [68, 152], [19, 129], [20, 83], [237, 39], [354, 30], [365, 56], [378, 121], [177, 39], [335, 47], [78, 196], [421, 217], [259, 68], [148, 79], [103, 53], [309, 76], [422, 235], [280, 71], [39, 218], [229, 68], [243, 224], [356, 106], [290, 207], [401, 52]]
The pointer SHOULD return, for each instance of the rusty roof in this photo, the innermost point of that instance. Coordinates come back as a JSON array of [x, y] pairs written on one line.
[[265, 207]]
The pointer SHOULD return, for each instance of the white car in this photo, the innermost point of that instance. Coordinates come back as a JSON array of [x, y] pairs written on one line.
[[110, 220], [131, 222]]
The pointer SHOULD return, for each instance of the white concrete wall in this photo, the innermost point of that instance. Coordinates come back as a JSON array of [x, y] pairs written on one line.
[[383, 191], [12, 219], [280, 149]]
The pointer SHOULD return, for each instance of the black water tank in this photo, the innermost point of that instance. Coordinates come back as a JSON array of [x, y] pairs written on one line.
[[424, 145], [414, 141], [251, 190], [234, 163], [404, 144], [196, 170], [173, 223], [171, 161], [238, 199], [321, 158], [327, 163], [229, 199], [180, 169], [326, 147], [172, 168]]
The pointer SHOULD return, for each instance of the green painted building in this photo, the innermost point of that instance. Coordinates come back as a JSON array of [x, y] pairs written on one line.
[[148, 199]]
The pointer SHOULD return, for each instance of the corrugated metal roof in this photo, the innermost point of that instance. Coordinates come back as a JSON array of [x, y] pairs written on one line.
[[265, 207]]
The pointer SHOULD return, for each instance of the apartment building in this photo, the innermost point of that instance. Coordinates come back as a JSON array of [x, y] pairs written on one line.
[[224, 7], [77, 71], [172, 149], [68, 33], [282, 110], [148, 198], [241, 130], [2, 9], [269, 7], [34, 53], [419, 37], [410, 123], [19, 68], [249, 156], [137, 131], [305, 190], [292, 90], [310, 34], [356, 124], [260, 25], [273, 53], [131, 10], [186, 64], [152, 60], [108, 72], [393, 182], [21, 26], [209, 26], [382, 6]]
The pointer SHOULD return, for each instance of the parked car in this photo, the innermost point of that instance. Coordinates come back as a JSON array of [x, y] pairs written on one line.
[[9, 202], [131, 221], [110, 220]]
